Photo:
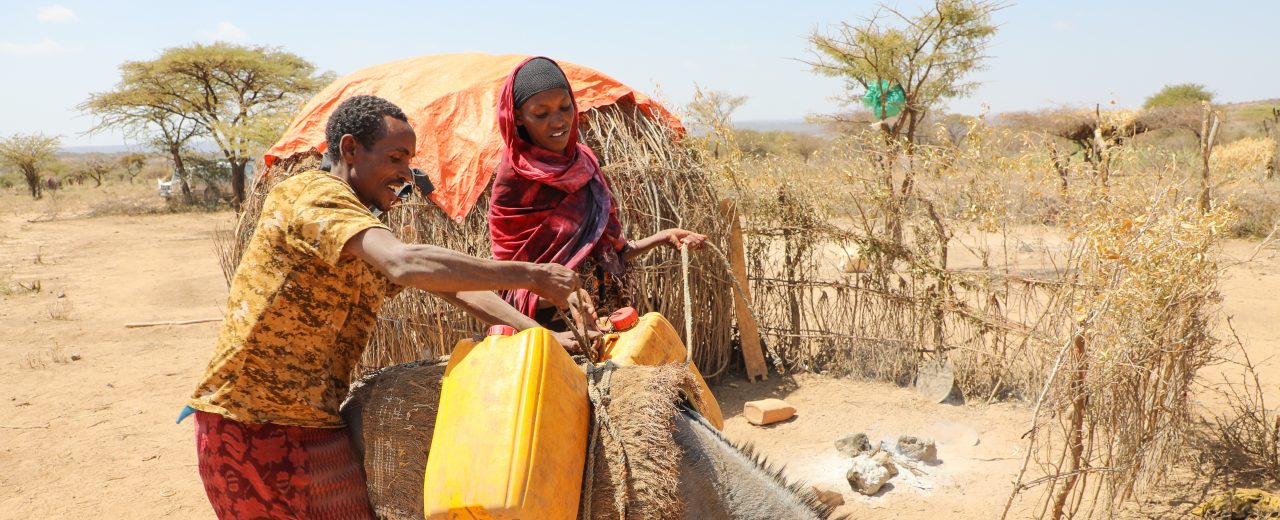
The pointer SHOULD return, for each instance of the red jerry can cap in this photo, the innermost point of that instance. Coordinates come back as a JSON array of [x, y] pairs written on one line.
[[501, 330], [624, 318]]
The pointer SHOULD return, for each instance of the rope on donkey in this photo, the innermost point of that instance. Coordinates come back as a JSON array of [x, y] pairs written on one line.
[[598, 384]]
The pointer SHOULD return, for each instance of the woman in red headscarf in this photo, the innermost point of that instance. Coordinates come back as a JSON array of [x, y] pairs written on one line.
[[551, 203]]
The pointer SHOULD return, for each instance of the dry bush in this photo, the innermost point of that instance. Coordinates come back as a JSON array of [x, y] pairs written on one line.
[[40, 359], [1244, 445], [1113, 412], [1104, 327], [59, 310], [1249, 156], [11, 287]]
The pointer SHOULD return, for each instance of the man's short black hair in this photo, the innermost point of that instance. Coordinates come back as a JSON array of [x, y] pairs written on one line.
[[362, 117]]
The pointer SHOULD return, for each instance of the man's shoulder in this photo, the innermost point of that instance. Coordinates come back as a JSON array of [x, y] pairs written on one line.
[[308, 180], [314, 188]]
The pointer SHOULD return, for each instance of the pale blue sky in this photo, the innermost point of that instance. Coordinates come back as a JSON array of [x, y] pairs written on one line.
[[1046, 52]]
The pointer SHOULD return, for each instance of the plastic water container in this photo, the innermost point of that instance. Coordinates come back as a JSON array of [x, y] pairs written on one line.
[[651, 340], [511, 432]]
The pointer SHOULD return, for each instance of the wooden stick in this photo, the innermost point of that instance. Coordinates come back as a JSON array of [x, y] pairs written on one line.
[[752, 354], [158, 323]]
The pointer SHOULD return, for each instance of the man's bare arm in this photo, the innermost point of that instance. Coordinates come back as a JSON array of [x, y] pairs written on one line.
[[489, 308], [441, 270]]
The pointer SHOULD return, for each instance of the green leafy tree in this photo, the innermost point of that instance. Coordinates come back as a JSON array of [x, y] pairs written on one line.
[[239, 96], [1180, 95], [26, 153], [928, 56]]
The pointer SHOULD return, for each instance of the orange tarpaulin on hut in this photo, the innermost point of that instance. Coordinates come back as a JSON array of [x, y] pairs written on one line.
[[451, 102]]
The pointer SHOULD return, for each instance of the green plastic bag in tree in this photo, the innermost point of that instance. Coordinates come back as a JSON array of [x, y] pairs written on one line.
[[884, 99]]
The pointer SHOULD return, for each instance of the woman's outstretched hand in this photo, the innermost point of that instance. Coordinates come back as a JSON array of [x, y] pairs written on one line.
[[677, 238], [674, 237]]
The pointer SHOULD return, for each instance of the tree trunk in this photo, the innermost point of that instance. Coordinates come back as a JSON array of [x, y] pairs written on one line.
[[181, 168], [32, 177], [237, 181]]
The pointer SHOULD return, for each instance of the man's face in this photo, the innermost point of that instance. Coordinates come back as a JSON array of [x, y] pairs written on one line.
[[378, 173], [546, 117]]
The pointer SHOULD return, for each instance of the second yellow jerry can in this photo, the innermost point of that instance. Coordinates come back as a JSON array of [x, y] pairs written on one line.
[[651, 340]]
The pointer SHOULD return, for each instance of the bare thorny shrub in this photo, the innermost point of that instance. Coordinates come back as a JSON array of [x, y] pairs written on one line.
[[1114, 412], [1243, 442]]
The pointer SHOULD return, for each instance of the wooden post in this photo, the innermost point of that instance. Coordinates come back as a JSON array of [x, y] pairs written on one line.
[[752, 354], [1272, 128], [1208, 132]]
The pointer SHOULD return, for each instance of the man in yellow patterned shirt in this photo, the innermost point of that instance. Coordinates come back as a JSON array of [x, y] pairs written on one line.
[[302, 305]]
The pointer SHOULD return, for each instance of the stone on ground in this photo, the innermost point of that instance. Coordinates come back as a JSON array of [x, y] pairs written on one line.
[[886, 460], [853, 444], [867, 476], [917, 449]]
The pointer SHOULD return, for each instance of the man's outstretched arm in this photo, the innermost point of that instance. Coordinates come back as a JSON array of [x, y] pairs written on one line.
[[441, 270]]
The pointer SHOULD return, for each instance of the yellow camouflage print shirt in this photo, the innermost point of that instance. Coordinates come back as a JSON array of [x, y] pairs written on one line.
[[299, 313]]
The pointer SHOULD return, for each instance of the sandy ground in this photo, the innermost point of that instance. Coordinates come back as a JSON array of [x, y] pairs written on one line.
[[87, 427]]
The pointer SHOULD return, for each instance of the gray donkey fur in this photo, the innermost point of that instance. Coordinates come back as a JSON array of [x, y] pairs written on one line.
[[721, 481]]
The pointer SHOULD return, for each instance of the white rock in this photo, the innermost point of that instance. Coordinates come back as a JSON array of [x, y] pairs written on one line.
[[867, 476]]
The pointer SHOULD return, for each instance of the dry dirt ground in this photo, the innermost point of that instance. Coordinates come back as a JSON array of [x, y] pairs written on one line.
[[87, 427]]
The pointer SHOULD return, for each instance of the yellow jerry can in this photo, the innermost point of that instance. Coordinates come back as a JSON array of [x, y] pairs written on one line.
[[651, 340], [511, 431]]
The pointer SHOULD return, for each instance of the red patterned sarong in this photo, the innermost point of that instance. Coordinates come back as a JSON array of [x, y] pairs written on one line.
[[276, 471]]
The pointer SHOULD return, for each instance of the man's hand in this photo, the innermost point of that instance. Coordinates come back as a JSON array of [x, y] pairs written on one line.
[[554, 282]]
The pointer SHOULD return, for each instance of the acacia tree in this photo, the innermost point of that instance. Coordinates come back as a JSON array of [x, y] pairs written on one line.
[[26, 153], [232, 92], [133, 163], [1180, 95], [711, 111], [927, 55], [95, 168], [138, 108]]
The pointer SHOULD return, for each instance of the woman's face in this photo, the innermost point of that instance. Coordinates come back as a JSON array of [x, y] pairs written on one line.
[[547, 117]]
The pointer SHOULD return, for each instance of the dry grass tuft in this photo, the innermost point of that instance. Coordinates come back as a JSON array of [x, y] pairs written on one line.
[[59, 310], [11, 287], [40, 359]]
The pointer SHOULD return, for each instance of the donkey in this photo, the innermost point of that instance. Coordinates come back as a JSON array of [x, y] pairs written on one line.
[[719, 480]]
